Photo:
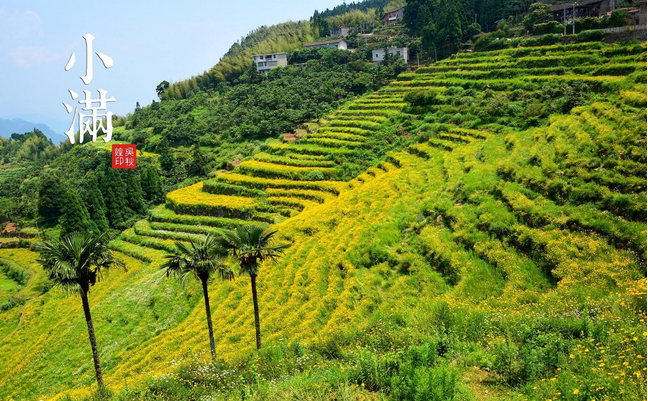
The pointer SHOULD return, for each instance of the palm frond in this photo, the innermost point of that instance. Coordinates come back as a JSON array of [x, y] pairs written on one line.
[[201, 259], [251, 245], [75, 261], [174, 266]]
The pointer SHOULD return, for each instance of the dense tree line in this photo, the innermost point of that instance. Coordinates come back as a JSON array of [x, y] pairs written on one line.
[[442, 25], [31, 146], [350, 14], [24, 156], [74, 186], [348, 7], [365, 21], [98, 198]]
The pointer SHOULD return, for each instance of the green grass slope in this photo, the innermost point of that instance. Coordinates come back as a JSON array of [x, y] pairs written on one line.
[[515, 254]]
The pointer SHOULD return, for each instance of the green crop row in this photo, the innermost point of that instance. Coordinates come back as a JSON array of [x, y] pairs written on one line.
[[378, 100], [143, 228], [621, 50], [338, 135], [184, 228], [635, 99], [302, 156], [376, 106], [159, 244], [588, 57], [269, 170], [570, 60], [408, 76], [454, 138], [357, 123], [129, 249], [469, 132], [335, 143], [532, 55], [423, 150], [293, 203], [537, 50], [316, 196], [14, 272], [385, 96], [508, 73], [489, 64], [397, 90], [340, 126], [395, 158], [387, 166], [373, 119], [529, 83], [163, 215], [412, 85], [262, 183], [293, 161], [215, 187], [310, 150], [202, 209], [385, 113]]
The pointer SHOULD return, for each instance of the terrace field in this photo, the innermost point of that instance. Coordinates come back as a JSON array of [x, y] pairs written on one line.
[[494, 249]]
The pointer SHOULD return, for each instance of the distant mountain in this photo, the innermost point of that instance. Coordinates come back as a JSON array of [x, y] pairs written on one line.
[[20, 126], [58, 126]]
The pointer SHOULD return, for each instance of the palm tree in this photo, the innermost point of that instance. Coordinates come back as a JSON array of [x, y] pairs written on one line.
[[75, 262], [201, 260], [250, 244]]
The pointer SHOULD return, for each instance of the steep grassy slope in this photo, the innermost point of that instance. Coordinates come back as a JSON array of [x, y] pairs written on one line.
[[519, 251]]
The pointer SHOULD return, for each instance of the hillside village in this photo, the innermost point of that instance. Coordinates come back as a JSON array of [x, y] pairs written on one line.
[[566, 14], [392, 200]]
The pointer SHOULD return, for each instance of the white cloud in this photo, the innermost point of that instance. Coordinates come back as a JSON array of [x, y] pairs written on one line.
[[18, 27], [21, 36], [26, 56]]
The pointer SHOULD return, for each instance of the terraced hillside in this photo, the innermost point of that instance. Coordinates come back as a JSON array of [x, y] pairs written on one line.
[[516, 254], [276, 184]]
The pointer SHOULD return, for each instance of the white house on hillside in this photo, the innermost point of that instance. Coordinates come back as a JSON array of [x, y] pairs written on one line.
[[378, 55], [341, 44], [266, 62]]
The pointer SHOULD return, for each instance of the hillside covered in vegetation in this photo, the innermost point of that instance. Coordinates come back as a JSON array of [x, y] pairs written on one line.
[[475, 229]]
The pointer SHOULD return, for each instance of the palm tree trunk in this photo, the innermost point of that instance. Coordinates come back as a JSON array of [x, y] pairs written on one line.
[[93, 340], [209, 320], [257, 324]]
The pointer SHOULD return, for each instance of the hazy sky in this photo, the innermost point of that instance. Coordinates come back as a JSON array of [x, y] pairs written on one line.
[[148, 41]]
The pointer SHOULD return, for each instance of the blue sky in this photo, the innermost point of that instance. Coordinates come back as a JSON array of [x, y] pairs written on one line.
[[148, 41]]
